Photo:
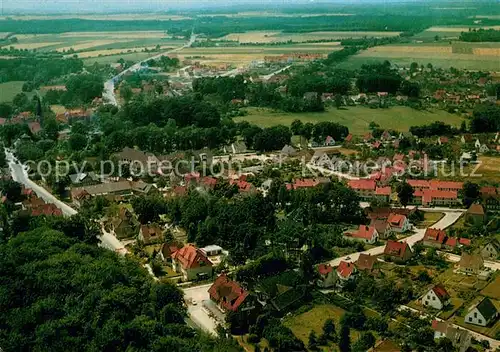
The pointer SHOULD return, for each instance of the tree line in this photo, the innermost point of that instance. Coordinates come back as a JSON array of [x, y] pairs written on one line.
[[480, 35]]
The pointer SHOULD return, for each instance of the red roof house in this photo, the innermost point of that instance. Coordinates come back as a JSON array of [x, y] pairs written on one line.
[[367, 234], [397, 251], [434, 238], [228, 294], [191, 262], [345, 270]]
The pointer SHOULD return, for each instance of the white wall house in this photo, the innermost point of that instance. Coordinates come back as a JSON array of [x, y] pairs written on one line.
[[437, 298], [482, 314]]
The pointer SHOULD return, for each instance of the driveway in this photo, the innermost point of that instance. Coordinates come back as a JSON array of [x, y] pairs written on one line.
[[194, 297]]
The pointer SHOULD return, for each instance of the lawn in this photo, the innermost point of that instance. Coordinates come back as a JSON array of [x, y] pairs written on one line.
[[493, 289], [314, 319], [430, 218], [8, 90], [357, 118], [488, 170], [490, 330]]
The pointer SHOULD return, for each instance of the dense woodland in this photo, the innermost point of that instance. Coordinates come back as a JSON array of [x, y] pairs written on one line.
[[480, 35]]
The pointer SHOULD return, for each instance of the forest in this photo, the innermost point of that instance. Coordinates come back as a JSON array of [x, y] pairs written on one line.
[[480, 35]]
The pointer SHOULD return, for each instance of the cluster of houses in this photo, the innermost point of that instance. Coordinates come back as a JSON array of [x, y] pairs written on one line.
[[24, 118], [292, 57], [36, 206]]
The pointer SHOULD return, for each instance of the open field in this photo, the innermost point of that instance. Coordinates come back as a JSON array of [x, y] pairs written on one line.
[[95, 17], [314, 319], [31, 46], [488, 171], [278, 36], [111, 59], [430, 218], [107, 52], [89, 44], [493, 289], [9, 89], [356, 118], [490, 330]]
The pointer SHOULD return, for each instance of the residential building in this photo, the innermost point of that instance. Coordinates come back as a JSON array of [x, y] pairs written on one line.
[[437, 297], [399, 252], [124, 225], [491, 250], [460, 338], [367, 234], [167, 249], [84, 178], [482, 314], [398, 223], [288, 150], [367, 263], [346, 271], [475, 214], [192, 263], [230, 296], [380, 224], [364, 188], [434, 238], [151, 233], [383, 193], [139, 162], [122, 188], [471, 264], [490, 197], [327, 276]]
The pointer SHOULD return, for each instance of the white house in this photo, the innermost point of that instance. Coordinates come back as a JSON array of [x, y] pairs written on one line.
[[398, 223], [482, 314], [437, 298]]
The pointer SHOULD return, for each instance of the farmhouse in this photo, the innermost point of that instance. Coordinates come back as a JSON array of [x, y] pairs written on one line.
[[482, 314], [437, 297], [397, 251], [191, 262], [460, 338]]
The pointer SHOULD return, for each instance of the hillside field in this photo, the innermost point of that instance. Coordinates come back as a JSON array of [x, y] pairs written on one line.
[[356, 118], [8, 90]]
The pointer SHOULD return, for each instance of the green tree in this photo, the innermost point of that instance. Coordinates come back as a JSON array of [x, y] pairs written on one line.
[[471, 193], [312, 342], [405, 193], [345, 339], [329, 328], [126, 91]]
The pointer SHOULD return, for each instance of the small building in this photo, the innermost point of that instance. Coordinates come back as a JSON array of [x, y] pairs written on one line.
[[482, 314], [329, 141], [460, 338], [475, 214], [151, 233], [398, 223], [434, 238], [491, 250], [124, 225], [367, 263], [230, 296], [346, 271], [367, 234], [399, 252], [327, 276], [471, 264], [437, 297], [192, 263], [288, 150]]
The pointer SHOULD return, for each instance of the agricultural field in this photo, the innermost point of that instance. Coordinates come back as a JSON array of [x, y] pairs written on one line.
[[278, 36], [493, 289], [487, 171], [356, 118], [8, 90], [483, 56]]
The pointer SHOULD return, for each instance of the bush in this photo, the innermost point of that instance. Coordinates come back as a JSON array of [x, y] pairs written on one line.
[[253, 338]]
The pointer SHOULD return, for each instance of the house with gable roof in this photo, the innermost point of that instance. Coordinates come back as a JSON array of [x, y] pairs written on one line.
[[399, 252], [192, 263], [475, 214], [151, 233], [434, 238], [437, 297], [346, 271], [364, 188], [327, 276], [367, 263], [367, 234], [482, 314], [491, 250], [461, 339], [398, 223], [471, 264], [230, 296]]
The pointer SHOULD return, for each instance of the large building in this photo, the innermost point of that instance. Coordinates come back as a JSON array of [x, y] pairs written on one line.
[[192, 263]]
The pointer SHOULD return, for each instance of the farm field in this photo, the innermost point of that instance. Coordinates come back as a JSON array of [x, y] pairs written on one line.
[[487, 171], [493, 289], [111, 59], [96, 17], [480, 56], [356, 118], [8, 90], [278, 36], [107, 52]]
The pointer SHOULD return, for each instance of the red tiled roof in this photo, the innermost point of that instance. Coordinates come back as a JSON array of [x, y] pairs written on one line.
[[476, 209], [443, 139], [419, 183], [364, 232], [243, 186], [192, 176], [376, 144], [324, 269], [345, 269], [191, 257], [396, 220], [441, 292], [451, 242], [349, 137], [428, 195], [34, 127], [362, 184], [180, 190], [491, 191], [46, 209], [228, 293], [435, 235], [464, 241], [304, 183], [436, 184], [395, 249], [209, 181], [383, 191], [398, 157], [368, 136]]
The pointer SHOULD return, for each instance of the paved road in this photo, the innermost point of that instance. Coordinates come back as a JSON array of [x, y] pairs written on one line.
[[109, 86], [494, 344], [449, 219], [19, 174], [266, 77], [194, 297]]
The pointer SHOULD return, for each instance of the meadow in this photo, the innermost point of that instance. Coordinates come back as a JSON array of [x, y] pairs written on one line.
[[8, 90], [356, 118]]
